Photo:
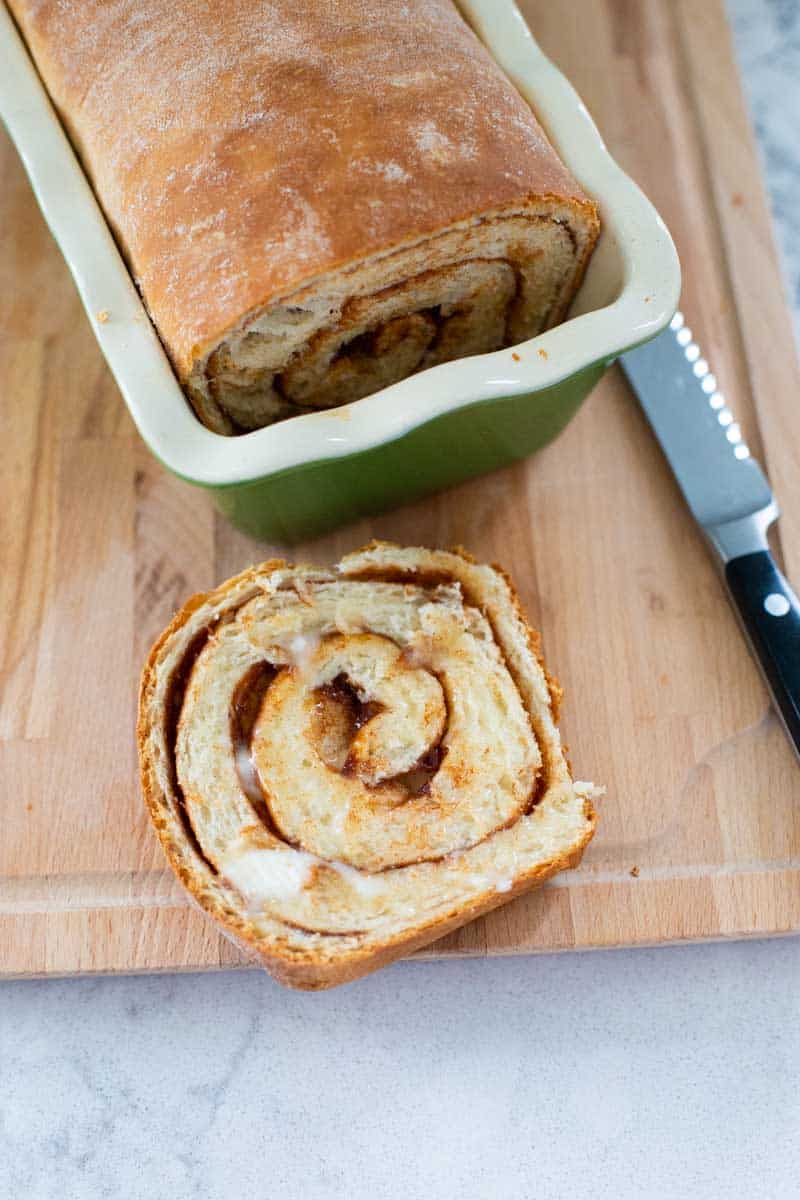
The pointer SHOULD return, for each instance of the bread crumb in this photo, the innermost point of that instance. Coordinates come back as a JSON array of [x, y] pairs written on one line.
[[634, 871], [543, 354], [589, 791], [515, 356], [103, 315]]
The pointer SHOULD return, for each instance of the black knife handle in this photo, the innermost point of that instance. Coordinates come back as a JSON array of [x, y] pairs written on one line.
[[770, 613]]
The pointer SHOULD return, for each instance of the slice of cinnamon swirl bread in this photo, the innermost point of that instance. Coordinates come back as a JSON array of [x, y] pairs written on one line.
[[342, 765]]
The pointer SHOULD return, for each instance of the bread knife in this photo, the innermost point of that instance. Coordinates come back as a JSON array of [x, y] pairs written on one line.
[[729, 497]]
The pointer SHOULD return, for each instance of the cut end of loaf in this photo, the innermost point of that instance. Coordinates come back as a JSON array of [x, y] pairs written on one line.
[[483, 284], [326, 776]]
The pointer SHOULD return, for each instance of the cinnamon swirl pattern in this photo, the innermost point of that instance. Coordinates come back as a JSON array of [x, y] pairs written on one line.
[[494, 282], [344, 764]]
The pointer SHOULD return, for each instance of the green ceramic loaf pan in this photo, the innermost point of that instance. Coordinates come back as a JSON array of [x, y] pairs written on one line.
[[297, 478]]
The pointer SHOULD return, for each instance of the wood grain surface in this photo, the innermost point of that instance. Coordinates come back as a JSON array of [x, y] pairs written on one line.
[[663, 704]]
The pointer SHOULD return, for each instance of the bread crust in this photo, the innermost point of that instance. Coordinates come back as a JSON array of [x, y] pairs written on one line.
[[314, 968]]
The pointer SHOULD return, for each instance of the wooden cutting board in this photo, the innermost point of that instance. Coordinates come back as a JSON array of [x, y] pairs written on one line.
[[700, 831]]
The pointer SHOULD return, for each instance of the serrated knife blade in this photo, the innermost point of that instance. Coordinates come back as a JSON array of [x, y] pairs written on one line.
[[729, 496], [699, 434]]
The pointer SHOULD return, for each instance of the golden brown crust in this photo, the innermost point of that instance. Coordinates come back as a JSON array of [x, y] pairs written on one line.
[[314, 969], [243, 149]]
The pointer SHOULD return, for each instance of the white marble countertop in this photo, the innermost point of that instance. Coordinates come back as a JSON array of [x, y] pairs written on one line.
[[669, 1073]]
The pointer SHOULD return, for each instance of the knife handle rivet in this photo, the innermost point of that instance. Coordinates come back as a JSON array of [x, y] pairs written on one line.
[[776, 605]]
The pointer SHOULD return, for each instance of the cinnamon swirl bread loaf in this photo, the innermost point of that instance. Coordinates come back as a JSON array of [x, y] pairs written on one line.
[[315, 199], [342, 765]]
